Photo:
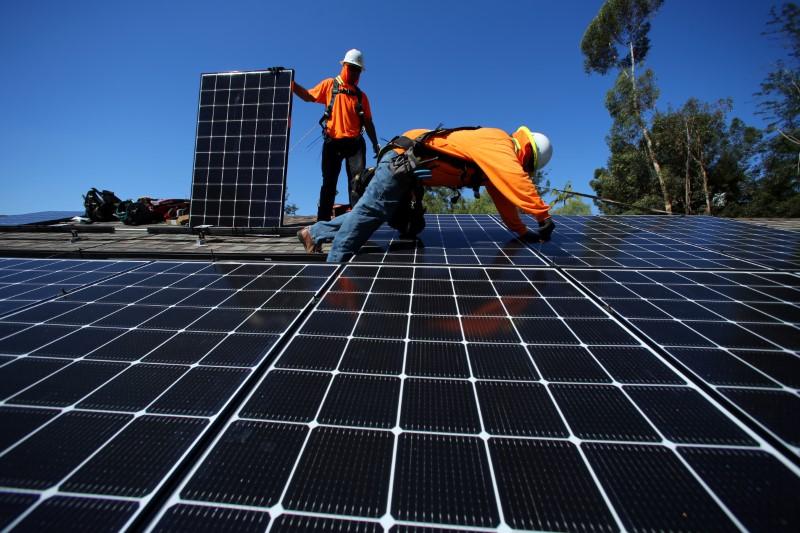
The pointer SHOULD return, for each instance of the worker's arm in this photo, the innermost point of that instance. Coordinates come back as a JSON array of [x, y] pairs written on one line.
[[369, 126], [301, 92], [498, 160], [508, 211], [370, 129]]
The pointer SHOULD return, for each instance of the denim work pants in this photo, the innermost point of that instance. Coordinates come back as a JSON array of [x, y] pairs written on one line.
[[353, 152], [381, 199]]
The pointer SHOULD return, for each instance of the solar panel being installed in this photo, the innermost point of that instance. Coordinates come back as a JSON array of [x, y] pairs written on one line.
[[241, 149]]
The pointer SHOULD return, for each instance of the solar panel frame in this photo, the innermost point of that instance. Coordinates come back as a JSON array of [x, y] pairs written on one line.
[[251, 142]]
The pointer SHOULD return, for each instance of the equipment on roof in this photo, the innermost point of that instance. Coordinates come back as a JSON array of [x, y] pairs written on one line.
[[100, 205], [354, 57]]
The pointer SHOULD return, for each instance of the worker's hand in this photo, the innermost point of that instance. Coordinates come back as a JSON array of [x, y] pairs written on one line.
[[376, 148], [422, 173], [531, 236]]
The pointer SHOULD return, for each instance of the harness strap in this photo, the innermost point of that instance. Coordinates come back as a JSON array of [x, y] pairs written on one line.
[[420, 155], [337, 88]]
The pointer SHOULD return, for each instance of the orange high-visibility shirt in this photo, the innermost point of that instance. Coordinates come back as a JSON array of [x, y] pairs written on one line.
[[492, 150], [344, 121]]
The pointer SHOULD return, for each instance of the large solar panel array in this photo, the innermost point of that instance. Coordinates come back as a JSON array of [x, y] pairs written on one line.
[[470, 383], [241, 149]]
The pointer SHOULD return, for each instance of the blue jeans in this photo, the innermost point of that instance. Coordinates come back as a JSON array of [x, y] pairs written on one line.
[[381, 199]]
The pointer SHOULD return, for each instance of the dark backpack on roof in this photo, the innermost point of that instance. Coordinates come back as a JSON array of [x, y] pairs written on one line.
[[100, 205]]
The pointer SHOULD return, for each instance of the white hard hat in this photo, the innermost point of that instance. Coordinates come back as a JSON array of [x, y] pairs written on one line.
[[544, 150], [354, 57]]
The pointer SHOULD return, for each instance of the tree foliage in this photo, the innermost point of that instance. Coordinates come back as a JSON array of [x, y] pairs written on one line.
[[618, 38], [620, 28]]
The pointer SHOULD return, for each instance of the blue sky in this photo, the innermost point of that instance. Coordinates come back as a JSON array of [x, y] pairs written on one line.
[[105, 93]]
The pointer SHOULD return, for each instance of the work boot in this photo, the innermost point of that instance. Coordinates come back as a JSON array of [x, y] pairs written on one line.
[[304, 236], [546, 227]]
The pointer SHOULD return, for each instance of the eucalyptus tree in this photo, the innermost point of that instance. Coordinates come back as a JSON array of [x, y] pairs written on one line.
[[617, 38]]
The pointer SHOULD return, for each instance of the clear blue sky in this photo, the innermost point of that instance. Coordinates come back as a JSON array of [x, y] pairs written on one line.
[[105, 93]]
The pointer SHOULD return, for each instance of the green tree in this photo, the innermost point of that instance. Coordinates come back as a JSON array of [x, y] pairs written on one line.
[[617, 38], [705, 158], [777, 190]]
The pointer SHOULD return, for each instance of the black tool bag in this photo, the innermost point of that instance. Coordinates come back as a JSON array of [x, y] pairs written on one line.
[[100, 205], [409, 219], [141, 212]]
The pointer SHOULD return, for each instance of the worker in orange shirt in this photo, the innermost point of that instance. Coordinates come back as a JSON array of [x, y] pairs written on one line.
[[504, 164], [346, 114]]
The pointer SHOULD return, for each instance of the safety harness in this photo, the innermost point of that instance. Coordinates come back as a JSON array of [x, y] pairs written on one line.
[[337, 88], [409, 219], [417, 154]]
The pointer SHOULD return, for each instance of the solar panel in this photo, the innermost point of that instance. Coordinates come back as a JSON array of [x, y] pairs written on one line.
[[39, 217], [27, 281], [451, 240], [241, 149], [106, 389], [738, 332], [475, 397], [643, 242]]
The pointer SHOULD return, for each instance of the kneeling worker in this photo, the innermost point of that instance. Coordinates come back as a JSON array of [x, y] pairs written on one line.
[[346, 114], [503, 163]]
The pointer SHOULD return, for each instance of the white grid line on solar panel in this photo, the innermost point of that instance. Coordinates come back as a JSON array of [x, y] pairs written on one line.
[[610, 244], [75, 406], [277, 508], [481, 240], [34, 280], [240, 133], [781, 388], [737, 239]]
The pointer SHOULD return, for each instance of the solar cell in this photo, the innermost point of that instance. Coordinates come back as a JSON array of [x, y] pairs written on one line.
[[241, 149]]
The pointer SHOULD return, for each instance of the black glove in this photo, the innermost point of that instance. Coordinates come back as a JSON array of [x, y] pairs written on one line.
[[377, 149], [531, 236], [546, 227]]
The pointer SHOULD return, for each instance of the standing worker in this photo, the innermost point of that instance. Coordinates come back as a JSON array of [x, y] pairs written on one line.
[[346, 114], [505, 164]]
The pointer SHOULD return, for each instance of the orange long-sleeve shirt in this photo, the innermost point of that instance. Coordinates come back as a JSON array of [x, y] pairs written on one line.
[[493, 151]]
